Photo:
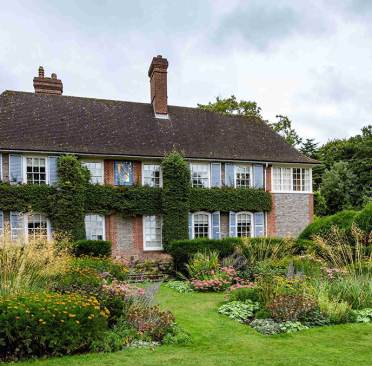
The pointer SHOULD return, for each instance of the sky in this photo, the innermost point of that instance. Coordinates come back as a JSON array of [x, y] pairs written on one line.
[[309, 60]]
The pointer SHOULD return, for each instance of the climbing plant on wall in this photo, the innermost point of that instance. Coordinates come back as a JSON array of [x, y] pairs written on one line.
[[67, 203]]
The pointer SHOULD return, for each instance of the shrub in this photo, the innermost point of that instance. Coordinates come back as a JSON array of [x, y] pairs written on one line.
[[363, 220], [29, 266], [180, 286], [115, 339], [183, 250], [49, 324], [177, 335], [266, 326], [104, 266], [203, 265], [245, 293], [150, 321], [77, 280], [213, 284], [290, 307], [336, 311], [93, 248], [363, 316], [238, 310], [322, 225]]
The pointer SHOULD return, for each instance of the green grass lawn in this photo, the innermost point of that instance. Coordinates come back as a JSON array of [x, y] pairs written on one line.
[[217, 340]]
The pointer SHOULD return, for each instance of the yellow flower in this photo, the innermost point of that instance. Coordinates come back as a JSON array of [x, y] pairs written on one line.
[[77, 321], [72, 315]]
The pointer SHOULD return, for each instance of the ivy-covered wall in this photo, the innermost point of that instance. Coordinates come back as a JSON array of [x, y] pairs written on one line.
[[67, 203]]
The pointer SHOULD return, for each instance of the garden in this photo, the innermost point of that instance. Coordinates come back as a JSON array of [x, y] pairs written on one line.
[[229, 301]]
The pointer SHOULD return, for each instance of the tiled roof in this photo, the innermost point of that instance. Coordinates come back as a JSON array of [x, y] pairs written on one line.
[[105, 127]]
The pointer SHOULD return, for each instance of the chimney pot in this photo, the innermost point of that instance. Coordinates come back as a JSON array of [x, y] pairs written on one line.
[[45, 85], [158, 85], [41, 72]]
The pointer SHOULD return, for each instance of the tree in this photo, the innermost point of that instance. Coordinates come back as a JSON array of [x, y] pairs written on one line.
[[338, 187], [231, 106], [284, 128], [309, 148]]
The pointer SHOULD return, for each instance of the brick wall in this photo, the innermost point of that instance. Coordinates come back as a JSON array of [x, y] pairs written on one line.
[[109, 172]]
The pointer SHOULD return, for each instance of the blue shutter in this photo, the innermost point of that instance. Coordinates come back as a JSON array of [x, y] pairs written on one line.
[[1, 167], [229, 175], [259, 224], [216, 175], [123, 173], [232, 224], [258, 181], [1, 221], [52, 168], [15, 169], [216, 225], [190, 225]]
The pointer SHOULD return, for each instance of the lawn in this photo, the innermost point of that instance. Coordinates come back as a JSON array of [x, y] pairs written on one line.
[[218, 340]]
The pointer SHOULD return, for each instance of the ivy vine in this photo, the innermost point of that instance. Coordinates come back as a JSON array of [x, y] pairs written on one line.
[[67, 203]]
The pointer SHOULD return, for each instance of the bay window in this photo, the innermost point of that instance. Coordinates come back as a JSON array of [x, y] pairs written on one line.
[[291, 179], [200, 175], [152, 232]]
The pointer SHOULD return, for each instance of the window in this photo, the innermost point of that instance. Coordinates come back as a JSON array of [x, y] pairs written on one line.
[[291, 179], [200, 175], [244, 224], [243, 176], [151, 175], [96, 171], [35, 170], [152, 227], [29, 226], [37, 226], [95, 227], [1, 222], [201, 225]]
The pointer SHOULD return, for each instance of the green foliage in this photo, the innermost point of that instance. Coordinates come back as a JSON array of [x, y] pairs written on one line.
[[177, 335], [245, 293], [240, 311], [126, 201], [180, 286], [103, 266], [67, 208], [284, 128], [93, 248], [34, 325], [323, 225], [202, 264], [309, 148], [183, 250], [230, 199], [338, 187], [175, 197], [363, 316], [363, 220], [231, 106]]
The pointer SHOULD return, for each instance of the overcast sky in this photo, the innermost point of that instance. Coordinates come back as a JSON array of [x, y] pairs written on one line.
[[310, 60]]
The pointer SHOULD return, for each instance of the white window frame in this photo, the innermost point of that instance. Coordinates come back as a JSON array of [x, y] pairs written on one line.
[[281, 179], [250, 174], [95, 161], [143, 173], [209, 223], [24, 167], [252, 222], [145, 247], [103, 226], [208, 165], [25, 225]]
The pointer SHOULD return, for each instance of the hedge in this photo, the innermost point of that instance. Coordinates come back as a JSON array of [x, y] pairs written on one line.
[[92, 248], [363, 220], [323, 225]]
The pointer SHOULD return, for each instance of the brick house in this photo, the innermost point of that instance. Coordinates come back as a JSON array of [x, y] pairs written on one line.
[[122, 144]]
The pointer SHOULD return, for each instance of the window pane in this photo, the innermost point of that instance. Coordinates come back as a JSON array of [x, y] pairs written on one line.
[[35, 169], [243, 175], [94, 227], [244, 224], [153, 232], [200, 175], [96, 171], [37, 226], [201, 225], [151, 175]]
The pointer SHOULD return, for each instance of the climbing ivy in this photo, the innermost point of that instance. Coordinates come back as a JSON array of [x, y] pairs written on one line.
[[67, 203]]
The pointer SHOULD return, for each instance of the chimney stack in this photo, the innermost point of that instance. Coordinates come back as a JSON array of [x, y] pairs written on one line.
[[45, 85], [158, 84]]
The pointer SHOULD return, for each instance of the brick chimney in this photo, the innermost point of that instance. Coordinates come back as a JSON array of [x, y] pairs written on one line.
[[45, 85], [158, 84]]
